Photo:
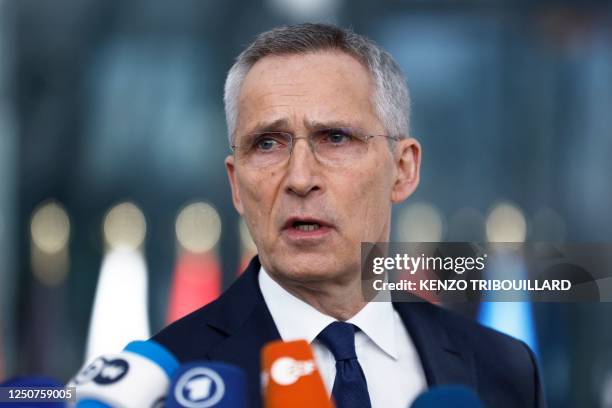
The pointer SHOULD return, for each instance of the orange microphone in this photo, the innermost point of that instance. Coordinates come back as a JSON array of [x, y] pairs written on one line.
[[290, 377]]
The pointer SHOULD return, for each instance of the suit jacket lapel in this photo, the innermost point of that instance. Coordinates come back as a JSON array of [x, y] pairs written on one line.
[[443, 359], [246, 321]]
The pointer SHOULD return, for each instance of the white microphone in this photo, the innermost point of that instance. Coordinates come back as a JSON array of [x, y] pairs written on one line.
[[139, 376]]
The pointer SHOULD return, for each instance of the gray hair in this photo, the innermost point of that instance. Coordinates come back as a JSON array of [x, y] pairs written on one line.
[[391, 99]]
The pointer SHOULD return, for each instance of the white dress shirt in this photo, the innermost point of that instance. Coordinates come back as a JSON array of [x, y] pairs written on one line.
[[384, 349]]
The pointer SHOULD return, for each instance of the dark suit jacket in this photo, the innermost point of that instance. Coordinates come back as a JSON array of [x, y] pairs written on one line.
[[452, 349]]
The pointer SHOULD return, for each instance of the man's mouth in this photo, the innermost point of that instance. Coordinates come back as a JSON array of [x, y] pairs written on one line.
[[306, 226], [306, 230]]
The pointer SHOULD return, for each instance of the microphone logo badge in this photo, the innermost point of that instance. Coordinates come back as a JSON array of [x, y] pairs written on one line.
[[103, 372], [286, 370], [159, 403], [199, 388]]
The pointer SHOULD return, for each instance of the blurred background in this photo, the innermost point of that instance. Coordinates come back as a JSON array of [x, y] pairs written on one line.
[[115, 211]]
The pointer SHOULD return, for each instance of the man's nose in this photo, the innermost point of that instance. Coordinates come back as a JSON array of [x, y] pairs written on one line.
[[302, 172]]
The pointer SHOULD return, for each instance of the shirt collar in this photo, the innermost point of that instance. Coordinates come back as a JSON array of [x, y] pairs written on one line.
[[376, 319]]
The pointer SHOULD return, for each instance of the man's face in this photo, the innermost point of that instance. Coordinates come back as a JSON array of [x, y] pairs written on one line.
[[345, 204]]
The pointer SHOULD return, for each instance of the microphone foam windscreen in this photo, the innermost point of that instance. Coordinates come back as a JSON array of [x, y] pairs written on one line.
[[290, 376], [456, 396], [138, 376], [203, 384]]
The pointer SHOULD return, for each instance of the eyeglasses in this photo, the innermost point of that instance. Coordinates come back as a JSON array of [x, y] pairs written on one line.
[[334, 147]]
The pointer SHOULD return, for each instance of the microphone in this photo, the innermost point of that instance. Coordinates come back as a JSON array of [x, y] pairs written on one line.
[[290, 377], [203, 384], [139, 376], [32, 382], [456, 396]]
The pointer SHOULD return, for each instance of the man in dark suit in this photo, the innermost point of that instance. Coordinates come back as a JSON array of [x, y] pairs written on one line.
[[318, 123]]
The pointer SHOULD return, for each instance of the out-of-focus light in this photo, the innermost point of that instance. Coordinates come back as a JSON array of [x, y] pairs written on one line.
[[50, 227], [301, 10], [506, 223], [119, 313], [245, 237], [548, 225], [420, 222], [49, 233], [513, 318], [125, 226], [198, 227]]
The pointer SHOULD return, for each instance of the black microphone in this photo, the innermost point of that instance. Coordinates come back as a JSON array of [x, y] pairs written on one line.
[[456, 396]]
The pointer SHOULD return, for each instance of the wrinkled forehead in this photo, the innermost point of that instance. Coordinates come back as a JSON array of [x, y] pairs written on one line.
[[317, 87]]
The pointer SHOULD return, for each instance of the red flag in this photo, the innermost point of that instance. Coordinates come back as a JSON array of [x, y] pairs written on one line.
[[196, 282]]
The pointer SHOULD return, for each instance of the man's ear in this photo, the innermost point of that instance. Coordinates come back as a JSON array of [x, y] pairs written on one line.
[[231, 174], [407, 159]]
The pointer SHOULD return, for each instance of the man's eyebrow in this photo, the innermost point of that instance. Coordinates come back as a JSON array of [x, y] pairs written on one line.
[[314, 125], [282, 125], [277, 125]]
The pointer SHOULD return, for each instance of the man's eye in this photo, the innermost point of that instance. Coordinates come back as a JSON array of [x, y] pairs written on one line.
[[337, 137], [266, 143], [269, 142]]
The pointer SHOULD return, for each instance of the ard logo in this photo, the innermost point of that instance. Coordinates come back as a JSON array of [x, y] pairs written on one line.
[[199, 387]]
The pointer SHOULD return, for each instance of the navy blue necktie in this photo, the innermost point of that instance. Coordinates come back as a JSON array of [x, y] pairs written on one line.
[[350, 387]]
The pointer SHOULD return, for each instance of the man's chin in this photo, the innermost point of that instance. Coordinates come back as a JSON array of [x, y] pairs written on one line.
[[306, 267]]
